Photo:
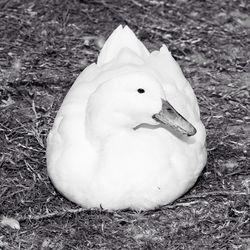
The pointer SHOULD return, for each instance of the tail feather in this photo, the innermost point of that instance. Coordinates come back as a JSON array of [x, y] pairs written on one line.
[[121, 38]]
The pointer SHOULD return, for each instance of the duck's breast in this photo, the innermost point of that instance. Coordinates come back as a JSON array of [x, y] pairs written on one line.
[[145, 169]]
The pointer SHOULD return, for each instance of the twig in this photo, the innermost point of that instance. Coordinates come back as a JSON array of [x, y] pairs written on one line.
[[79, 210], [215, 193], [184, 204], [50, 215]]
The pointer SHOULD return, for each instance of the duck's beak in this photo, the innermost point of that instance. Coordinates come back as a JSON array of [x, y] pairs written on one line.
[[170, 117]]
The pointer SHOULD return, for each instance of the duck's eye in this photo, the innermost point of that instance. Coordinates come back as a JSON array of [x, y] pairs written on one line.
[[140, 90]]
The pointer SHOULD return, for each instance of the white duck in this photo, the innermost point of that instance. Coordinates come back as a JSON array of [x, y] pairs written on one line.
[[120, 139]]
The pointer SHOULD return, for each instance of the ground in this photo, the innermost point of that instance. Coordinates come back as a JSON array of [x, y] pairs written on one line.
[[44, 45]]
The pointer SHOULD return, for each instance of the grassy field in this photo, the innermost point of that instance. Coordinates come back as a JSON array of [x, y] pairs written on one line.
[[44, 45]]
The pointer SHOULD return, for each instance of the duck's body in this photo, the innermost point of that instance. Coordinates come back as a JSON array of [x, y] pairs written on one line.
[[105, 150]]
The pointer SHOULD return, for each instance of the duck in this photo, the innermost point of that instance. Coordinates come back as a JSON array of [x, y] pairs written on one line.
[[128, 134]]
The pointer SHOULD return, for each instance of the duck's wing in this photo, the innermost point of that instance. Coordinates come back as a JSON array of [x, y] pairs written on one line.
[[177, 88]]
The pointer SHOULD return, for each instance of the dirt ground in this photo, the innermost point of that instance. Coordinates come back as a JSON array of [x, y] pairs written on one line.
[[44, 45]]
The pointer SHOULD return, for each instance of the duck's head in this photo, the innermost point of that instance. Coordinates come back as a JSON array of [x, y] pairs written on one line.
[[127, 101]]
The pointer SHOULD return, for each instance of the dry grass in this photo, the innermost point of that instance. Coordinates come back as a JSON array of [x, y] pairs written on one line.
[[44, 45]]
